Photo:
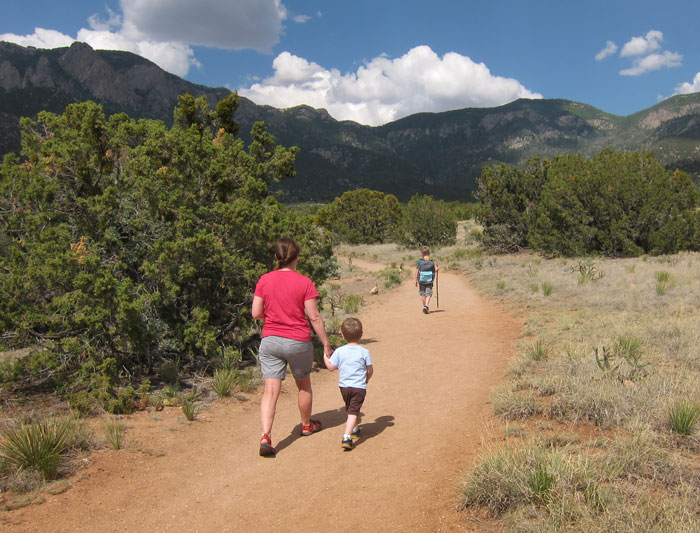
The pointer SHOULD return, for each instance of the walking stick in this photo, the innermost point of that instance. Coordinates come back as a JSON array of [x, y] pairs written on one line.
[[437, 290]]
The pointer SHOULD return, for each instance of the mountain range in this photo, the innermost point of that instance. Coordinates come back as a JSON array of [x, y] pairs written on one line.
[[441, 154]]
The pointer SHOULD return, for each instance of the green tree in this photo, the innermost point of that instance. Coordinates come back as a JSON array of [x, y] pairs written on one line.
[[136, 243], [507, 200], [618, 204], [362, 216], [427, 221]]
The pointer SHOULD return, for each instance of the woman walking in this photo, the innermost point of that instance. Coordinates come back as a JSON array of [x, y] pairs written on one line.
[[284, 298]]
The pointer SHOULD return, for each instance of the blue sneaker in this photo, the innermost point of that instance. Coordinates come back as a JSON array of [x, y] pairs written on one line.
[[347, 444]]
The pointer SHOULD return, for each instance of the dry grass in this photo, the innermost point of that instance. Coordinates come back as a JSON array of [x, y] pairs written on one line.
[[620, 353]]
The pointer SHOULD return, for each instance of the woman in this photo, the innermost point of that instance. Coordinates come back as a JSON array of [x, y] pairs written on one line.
[[284, 298]]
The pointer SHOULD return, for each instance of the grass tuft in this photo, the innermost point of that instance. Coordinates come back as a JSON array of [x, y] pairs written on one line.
[[547, 288], [683, 416], [114, 430], [538, 351]]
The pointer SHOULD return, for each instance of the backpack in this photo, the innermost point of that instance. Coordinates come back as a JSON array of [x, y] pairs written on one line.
[[426, 271]]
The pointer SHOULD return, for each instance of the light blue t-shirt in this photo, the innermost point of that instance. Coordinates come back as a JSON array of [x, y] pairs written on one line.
[[352, 362]]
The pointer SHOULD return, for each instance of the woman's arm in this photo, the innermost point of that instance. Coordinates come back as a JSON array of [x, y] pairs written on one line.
[[258, 309], [311, 308]]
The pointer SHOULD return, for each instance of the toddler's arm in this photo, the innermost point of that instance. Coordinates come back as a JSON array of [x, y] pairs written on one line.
[[370, 371], [330, 366]]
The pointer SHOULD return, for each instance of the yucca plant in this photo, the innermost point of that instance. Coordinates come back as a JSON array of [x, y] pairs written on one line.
[[36, 445], [587, 271], [224, 381], [230, 359], [683, 415], [190, 408]]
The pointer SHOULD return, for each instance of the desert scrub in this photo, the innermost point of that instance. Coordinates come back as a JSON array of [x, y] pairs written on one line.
[[352, 304], [170, 394], [37, 445], [392, 275]]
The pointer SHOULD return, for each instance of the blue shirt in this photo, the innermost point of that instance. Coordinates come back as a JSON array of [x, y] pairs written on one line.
[[352, 362]]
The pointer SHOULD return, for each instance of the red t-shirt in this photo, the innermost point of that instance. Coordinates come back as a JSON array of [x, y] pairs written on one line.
[[284, 293]]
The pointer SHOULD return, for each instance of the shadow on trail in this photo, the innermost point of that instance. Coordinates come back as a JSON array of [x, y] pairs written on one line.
[[372, 429], [436, 311], [335, 418], [367, 341], [330, 418]]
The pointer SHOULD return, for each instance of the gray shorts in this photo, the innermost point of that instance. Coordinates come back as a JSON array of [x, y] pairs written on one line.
[[276, 352], [425, 289]]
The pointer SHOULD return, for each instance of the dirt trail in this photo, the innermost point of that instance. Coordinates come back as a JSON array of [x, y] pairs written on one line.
[[424, 418]]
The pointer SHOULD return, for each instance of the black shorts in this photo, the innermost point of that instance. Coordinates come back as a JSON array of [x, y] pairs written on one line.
[[353, 398]]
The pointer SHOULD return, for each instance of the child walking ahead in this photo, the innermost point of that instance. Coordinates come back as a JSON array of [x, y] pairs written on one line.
[[426, 272], [354, 366]]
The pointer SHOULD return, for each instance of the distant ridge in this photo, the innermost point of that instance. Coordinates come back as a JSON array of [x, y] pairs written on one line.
[[429, 153]]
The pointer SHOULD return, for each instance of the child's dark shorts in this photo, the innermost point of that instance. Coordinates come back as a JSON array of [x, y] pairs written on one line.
[[353, 399]]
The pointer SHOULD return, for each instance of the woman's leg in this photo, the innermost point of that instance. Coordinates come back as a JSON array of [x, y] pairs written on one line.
[[268, 405], [305, 399]]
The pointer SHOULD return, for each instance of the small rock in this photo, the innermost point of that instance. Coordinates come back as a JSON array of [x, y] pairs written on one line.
[[629, 384], [375, 290]]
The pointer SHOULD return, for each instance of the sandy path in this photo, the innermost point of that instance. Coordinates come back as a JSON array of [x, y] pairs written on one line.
[[425, 415]]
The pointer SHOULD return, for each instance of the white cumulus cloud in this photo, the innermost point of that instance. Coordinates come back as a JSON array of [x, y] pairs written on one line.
[[638, 46], [227, 24], [41, 38], [689, 87], [164, 30], [610, 49], [386, 89], [653, 62]]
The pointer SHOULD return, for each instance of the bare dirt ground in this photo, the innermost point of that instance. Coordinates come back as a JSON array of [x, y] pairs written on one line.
[[425, 420]]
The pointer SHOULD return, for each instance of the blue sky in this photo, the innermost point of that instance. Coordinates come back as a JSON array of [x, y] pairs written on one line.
[[374, 61]]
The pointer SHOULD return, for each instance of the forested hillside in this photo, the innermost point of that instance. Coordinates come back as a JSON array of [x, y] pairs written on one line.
[[440, 154]]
